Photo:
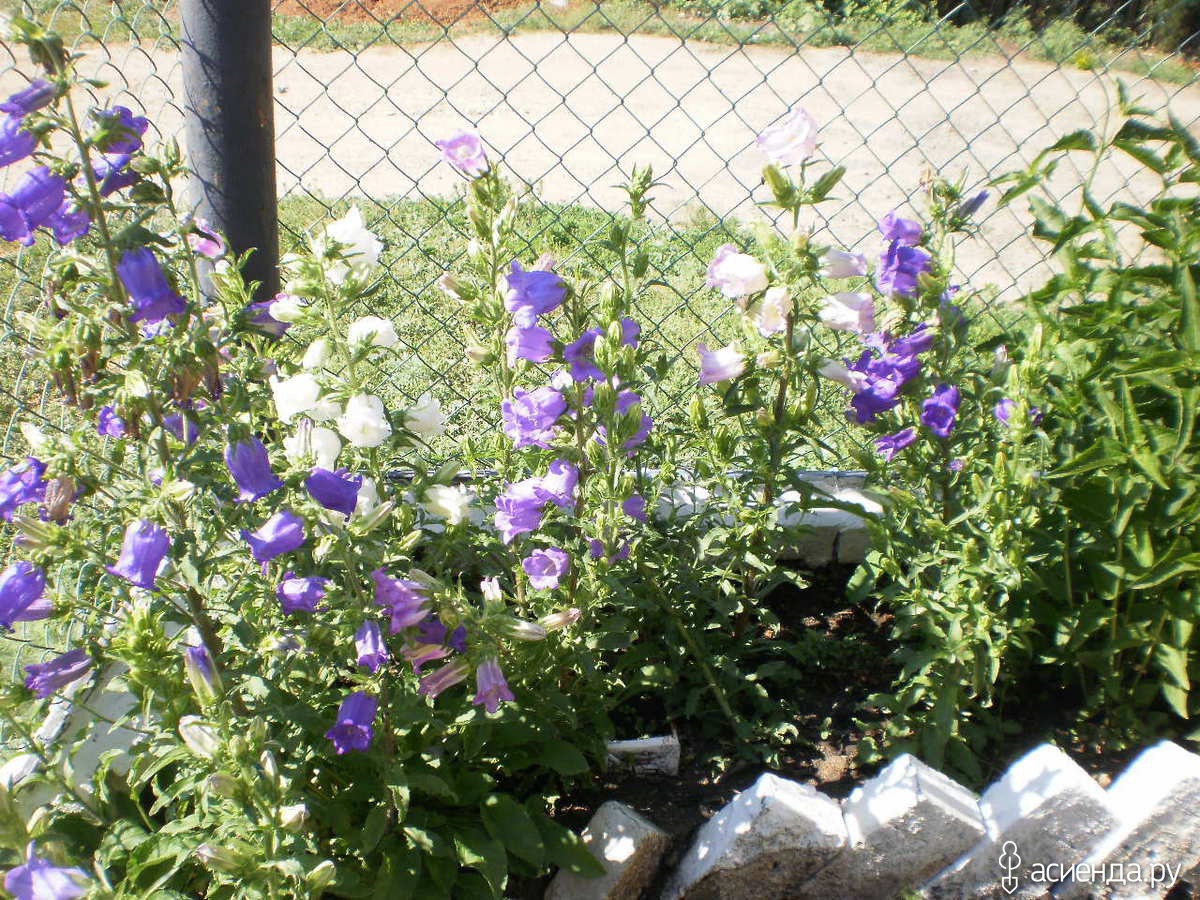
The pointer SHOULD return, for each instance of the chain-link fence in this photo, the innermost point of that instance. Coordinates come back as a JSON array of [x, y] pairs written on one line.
[[572, 97]]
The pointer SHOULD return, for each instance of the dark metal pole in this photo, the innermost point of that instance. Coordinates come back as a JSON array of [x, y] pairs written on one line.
[[230, 126]]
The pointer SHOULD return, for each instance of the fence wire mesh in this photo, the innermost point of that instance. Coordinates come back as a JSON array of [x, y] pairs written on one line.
[[571, 97]]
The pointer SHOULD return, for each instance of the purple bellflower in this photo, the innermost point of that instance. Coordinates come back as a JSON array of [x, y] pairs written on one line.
[[897, 229], [125, 130], [529, 417], [300, 594], [368, 642], [46, 678], [251, 469], [355, 723], [143, 277], [891, 444], [491, 688], [546, 568], [334, 490], [899, 268], [15, 142], [519, 508], [22, 595], [940, 412], [23, 483], [38, 94], [142, 552], [34, 202], [39, 879], [534, 343], [405, 600], [282, 533], [532, 293]]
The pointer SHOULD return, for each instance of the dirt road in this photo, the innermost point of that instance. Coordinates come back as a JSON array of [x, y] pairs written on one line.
[[570, 113]]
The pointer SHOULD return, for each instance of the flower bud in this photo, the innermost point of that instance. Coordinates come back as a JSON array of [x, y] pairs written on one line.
[[33, 534], [200, 669], [520, 630], [560, 620], [320, 877], [478, 354], [222, 785], [200, 737], [291, 818], [60, 494], [269, 766], [220, 858], [769, 359], [490, 588], [450, 287]]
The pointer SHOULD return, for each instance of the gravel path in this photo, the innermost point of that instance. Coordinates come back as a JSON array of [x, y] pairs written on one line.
[[569, 113]]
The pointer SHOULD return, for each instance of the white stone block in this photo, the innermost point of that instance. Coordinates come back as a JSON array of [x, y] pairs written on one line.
[[765, 843], [629, 847], [647, 756], [1157, 838], [904, 825], [1045, 811]]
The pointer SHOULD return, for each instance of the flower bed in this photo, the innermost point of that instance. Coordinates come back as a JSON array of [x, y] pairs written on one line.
[[341, 680]]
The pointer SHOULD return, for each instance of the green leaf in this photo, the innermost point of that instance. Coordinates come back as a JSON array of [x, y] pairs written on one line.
[[476, 850], [567, 850], [1144, 155], [1076, 140], [508, 822], [1189, 331], [373, 828], [1174, 564], [563, 758]]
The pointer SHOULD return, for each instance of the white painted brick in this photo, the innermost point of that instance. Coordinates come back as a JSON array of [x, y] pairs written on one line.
[[629, 847], [765, 843], [1047, 810], [647, 756], [904, 825], [1157, 802]]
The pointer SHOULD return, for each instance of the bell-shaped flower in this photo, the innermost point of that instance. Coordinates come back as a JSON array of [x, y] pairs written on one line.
[[251, 469], [491, 688], [22, 595], [15, 142], [364, 422], [300, 594], [355, 723], [39, 879], [334, 490], [46, 678], [546, 568], [152, 296], [464, 151], [721, 364], [142, 552], [282, 533], [368, 642]]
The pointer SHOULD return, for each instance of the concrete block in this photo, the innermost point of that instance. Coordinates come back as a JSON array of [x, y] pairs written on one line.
[[629, 847], [1157, 838], [904, 825], [766, 843], [648, 756], [1045, 811]]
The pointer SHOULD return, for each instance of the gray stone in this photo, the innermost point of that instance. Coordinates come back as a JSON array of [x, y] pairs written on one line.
[[904, 825], [1158, 836], [629, 847], [1045, 811], [648, 756], [766, 843]]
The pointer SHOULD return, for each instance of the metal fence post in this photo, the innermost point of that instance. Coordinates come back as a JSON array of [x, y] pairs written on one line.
[[230, 126]]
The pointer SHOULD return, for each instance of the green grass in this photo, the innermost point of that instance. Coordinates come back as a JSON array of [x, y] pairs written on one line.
[[799, 23]]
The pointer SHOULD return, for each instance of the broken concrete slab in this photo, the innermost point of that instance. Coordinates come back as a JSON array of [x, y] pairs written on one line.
[[1046, 810], [903, 826], [767, 842], [628, 846]]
